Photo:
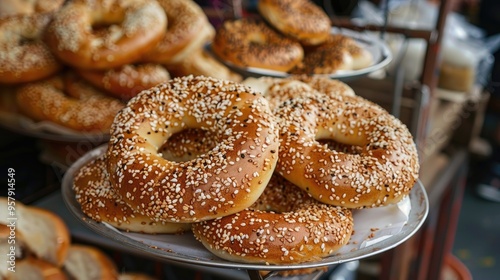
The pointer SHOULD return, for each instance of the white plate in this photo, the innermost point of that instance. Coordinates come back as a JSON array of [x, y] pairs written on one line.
[[381, 53], [376, 230]]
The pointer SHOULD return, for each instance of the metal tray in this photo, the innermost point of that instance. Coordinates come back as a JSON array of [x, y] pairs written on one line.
[[376, 230], [381, 53]]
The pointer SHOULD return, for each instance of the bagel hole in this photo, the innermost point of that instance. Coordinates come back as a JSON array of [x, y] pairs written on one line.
[[23, 41], [187, 144], [257, 39], [341, 147], [103, 26]]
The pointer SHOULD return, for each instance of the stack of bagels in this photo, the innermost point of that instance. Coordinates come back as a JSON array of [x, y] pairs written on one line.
[[36, 244], [290, 36], [75, 63], [263, 171]]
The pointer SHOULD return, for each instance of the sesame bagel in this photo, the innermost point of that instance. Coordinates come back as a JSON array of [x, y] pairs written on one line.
[[69, 103], [383, 172], [301, 20], [188, 30], [99, 34], [285, 226], [100, 202], [24, 57], [225, 180], [361, 57], [126, 81], [251, 43]]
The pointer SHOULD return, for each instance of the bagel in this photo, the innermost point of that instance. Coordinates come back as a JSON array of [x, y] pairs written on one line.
[[188, 31], [251, 43], [285, 226], [301, 20], [361, 57], [200, 63], [100, 202], [126, 81], [77, 106], [24, 57], [277, 90], [324, 61], [124, 30], [383, 172], [223, 181]]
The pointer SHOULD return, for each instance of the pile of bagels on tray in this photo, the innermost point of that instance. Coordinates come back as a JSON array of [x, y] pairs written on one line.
[[263, 171], [291, 37], [75, 63], [36, 244]]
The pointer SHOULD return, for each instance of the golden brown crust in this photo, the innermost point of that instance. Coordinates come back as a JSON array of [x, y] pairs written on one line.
[[24, 56], [128, 80], [302, 230], [200, 63], [383, 173], [51, 100], [251, 43], [278, 90], [188, 30], [325, 85], [32, 268], [324, 61], [88, 262], [361, 58], [135, 276], [100, 202], [28, 7], [302, 20], [227, 179], [135, 27]]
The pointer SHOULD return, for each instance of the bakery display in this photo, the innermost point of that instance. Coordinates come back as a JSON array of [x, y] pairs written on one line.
[[260, 172]]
